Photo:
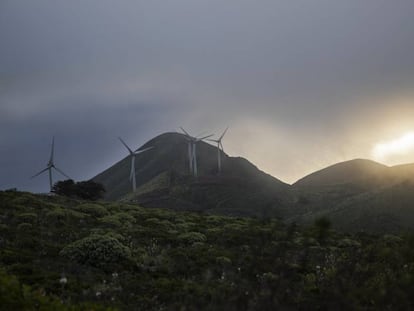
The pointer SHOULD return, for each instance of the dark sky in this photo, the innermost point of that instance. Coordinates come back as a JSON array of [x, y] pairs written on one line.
[[301, 84]]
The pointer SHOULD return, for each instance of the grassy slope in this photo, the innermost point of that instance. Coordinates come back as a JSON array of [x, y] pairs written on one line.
[[133, 258]]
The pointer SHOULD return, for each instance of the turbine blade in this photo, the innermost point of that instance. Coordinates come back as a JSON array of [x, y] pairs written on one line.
[[126, 146], [42, 171], [142, 150], [221, 145], [198, 139], [185, 132], [224, 133], [61, 172]]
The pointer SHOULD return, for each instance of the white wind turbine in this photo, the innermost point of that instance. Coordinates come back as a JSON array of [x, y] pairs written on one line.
[[192, 152], [132, 155], [51, 165], [219, 148]]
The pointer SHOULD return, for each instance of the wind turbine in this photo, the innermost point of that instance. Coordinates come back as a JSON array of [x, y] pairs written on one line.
[[192, 153], [219, 148], [132, 155], [51, 165]]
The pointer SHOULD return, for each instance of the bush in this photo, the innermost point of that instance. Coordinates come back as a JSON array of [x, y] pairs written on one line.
[[97, 250], [118, 220], [192, 237], [95, 210], [24, 227], [28, 217]]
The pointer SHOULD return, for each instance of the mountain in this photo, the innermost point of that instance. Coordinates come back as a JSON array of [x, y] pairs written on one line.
[[355, 195], [359, 172], [358, 195], [163, 180]]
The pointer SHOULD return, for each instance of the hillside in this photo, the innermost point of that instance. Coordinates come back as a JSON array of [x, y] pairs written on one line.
[[389, 209], [61, 254], [365, 174], [163, 180], [357, 195]]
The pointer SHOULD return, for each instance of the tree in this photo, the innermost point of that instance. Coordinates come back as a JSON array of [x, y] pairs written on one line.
[[87, 190], [90, 190], [65, 187], [322, 225]]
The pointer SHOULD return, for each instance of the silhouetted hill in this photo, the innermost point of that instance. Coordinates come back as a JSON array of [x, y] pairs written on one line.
[[360, 172], [358, 195], [163, 180]]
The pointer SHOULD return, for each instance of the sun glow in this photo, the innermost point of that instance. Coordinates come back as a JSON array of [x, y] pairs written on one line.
[[398, 147]]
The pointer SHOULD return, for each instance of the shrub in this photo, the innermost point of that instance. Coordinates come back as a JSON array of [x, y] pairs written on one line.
[[28, 217], [346, 242], [24, 227], [192, 237], [97, 250], [95, 210], [118, 220]]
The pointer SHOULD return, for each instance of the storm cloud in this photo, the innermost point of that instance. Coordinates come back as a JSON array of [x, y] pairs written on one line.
[[302, 84]]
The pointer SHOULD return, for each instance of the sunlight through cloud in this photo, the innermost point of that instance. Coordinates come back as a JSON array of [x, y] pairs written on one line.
[[397, 147]]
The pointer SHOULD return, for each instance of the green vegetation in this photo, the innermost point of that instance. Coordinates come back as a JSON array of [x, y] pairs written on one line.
[[62, 254], [15, 296]]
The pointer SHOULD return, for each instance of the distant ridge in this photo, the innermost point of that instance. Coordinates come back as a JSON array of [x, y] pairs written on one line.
[[358, 195], [355, 195], [357, 171]]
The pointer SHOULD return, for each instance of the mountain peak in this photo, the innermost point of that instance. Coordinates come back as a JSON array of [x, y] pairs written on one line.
[[163, 178], [352, 171]]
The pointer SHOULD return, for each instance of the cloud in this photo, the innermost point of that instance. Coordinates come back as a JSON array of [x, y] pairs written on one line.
[[317, 81]]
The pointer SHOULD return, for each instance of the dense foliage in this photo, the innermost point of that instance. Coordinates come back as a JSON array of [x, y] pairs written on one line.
[[132, 258], [87, 190]]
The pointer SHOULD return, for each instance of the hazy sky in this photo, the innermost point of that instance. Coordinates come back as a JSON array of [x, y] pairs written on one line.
[[302, 84]]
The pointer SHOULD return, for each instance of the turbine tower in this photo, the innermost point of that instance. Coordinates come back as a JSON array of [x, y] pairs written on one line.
[[192, 152], [132, 154], [219, 148], [51, 165]]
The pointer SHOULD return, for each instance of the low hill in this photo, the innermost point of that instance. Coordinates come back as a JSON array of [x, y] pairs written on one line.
[[366, 174], [163, 180], [62, 254], [358, 195]]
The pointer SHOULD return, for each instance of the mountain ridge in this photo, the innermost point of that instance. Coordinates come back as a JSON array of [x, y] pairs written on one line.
[[164, 181]]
